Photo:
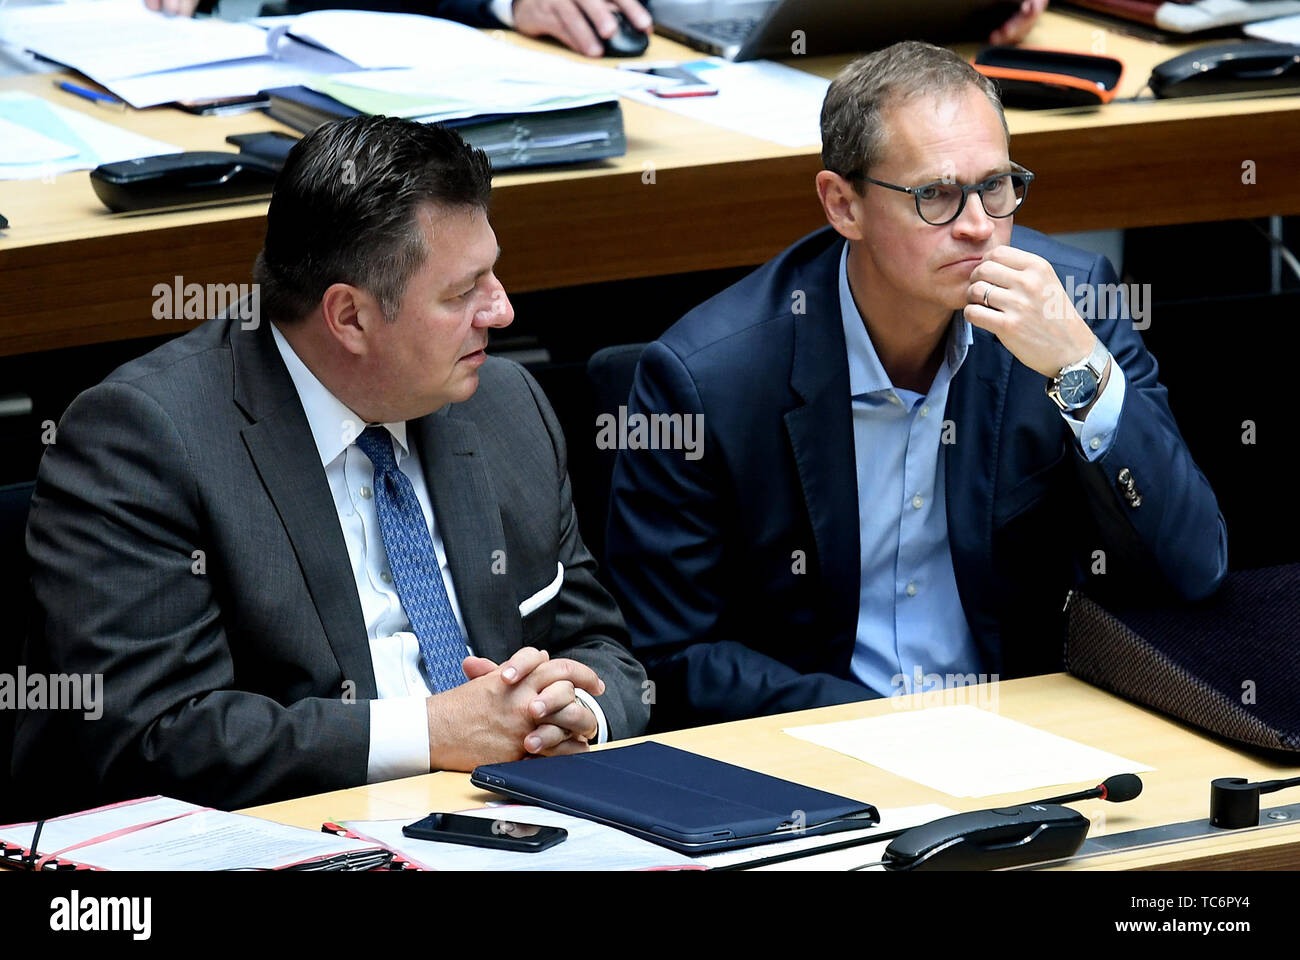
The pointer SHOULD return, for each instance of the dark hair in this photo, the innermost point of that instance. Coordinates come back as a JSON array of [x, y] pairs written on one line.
[[853, 137], [345, 204]]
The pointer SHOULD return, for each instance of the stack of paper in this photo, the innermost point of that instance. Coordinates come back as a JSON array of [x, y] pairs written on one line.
[[387, 40], [292, 62], [433, 96], [434, 71], [155, 58], [160, 833], [121, 38], [142, 42], [404, 65], [522, 107]]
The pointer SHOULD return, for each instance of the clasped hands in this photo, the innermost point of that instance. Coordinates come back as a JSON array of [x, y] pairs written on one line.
[[525, 706]]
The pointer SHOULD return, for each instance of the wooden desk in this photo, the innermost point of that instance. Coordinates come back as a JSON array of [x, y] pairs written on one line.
[[73, 274], [1177, 790]]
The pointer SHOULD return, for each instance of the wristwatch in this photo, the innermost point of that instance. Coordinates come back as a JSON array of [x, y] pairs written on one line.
[[1077, 384]]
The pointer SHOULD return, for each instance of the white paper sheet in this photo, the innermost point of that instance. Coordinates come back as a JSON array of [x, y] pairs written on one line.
[[898, 819], [18, 144], [95, 141], [14, 60], [760, 98], [1281, 30], [213, 840], [589, 846], [75, 828], [123, 38], [967, 752], [295, 63]]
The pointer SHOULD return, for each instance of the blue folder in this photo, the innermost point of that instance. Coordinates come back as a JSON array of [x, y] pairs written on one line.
[[678, 799]]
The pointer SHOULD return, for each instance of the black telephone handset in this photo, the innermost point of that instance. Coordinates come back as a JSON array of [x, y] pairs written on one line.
[[1249, 66], [182, 180], [990, 839]]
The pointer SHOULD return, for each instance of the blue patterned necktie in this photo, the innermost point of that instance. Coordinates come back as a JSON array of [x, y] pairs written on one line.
[[414, 564]]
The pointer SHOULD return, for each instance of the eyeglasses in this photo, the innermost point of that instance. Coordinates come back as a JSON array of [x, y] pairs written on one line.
[[941, 201]]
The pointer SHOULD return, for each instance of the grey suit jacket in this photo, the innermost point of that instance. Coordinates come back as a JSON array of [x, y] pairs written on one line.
[[185, 545]]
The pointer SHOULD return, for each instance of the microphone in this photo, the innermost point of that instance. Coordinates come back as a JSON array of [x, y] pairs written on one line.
[[1116, 789], [1234, 803]]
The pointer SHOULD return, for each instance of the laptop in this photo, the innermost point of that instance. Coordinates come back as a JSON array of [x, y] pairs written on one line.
[[677, 799], [758, 29]]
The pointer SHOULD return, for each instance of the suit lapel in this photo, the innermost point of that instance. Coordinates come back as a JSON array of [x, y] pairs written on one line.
[[821, 436], [468, 517], [279, 441], [976, 402]]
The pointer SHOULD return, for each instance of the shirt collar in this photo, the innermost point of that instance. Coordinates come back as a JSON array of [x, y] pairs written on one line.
[[866, 375], [333, 425]]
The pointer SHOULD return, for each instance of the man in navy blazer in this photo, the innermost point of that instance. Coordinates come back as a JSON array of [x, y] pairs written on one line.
[[921, 429]]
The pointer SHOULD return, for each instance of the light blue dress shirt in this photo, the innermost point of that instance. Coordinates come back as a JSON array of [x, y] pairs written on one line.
[[910, 619]]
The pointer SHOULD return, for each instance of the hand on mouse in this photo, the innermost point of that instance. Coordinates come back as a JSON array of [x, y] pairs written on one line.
[[578, 24]]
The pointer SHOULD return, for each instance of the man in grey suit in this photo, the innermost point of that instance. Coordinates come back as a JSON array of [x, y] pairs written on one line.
[[332, 548]]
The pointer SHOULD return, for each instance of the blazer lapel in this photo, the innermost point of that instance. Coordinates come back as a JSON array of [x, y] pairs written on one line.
[[821, 436], [468, 518], [279, 441], [976, 402]]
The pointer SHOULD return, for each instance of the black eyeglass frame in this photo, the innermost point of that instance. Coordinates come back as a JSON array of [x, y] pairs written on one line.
[[966, 190]]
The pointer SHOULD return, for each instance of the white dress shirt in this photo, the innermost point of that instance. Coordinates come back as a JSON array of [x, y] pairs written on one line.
[[399, 726]]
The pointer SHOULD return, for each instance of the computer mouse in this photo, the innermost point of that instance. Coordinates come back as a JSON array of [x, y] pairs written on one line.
[[1241, 67], [627, 40]]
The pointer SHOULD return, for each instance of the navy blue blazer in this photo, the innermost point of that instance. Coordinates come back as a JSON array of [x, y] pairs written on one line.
[[704, 554]]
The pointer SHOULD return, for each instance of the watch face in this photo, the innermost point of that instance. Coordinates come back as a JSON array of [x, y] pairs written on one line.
[[1078, 387]]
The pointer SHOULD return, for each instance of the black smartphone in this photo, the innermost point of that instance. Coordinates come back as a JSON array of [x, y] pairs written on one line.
[[485, 832], [270, 145], [684, 83]]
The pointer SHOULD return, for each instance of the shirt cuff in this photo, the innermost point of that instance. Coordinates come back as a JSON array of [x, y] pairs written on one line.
[[399, 738], [588, 701], [503, 10], [1096, 433]]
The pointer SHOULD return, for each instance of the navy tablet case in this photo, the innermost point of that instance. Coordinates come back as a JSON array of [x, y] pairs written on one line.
[[678, 799]]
